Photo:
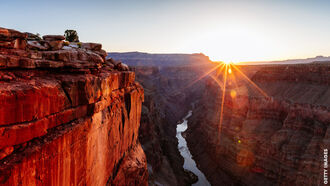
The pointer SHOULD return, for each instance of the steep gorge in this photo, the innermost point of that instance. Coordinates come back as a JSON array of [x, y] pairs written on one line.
[[274, 127], [164, 106], [170, 88]]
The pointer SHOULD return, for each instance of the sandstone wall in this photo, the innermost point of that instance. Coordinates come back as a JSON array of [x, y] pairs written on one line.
[[67, 117]]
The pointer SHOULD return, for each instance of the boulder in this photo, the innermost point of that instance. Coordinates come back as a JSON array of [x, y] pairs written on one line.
[[92, 46], [35, 55], [117, 64], [55, 44], [102, 53], [93, 57], [10, 34], [35, 45], [53, 37], [20, 44], [123, 67], [109, 64], [114, 62], [32, 37]]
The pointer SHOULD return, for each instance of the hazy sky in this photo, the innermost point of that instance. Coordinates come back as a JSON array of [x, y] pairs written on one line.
[[233, 30]]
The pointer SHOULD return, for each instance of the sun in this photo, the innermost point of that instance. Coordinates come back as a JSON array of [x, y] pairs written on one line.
[[224, 62]]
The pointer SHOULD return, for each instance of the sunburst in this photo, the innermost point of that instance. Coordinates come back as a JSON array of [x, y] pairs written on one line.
[[225, 69], [229, 70]]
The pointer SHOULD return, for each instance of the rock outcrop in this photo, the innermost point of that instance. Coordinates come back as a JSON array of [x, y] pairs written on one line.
[[276, 137], [66, 116]]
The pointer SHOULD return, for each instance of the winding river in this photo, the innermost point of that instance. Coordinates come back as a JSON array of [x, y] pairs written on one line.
[[189, 163]]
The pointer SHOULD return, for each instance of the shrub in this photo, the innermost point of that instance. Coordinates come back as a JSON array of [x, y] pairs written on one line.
[[71, 36]]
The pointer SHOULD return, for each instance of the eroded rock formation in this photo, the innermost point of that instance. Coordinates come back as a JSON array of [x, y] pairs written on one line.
[[66, 116], [273, 138]]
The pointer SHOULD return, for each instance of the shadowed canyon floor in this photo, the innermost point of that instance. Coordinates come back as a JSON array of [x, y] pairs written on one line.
[[189, 163]]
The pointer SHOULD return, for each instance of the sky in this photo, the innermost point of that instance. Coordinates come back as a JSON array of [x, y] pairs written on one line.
[[224, 30]]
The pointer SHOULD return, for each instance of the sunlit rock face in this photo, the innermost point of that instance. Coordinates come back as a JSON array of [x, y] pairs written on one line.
[[67, 117], [272, 136]]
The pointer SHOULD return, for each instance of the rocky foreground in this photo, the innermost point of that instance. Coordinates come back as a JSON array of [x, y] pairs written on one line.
[[68, 116], [273, 138]]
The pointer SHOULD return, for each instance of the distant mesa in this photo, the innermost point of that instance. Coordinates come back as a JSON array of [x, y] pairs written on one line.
[[160, 60], [317, 59]]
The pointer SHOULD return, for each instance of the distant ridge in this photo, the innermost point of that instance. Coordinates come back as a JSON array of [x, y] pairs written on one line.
[[292, 61], [162, 60], [175, 59]]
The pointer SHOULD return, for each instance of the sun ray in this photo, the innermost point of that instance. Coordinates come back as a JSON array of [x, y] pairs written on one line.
[[200, 78], [252, 83], [220, 69], [233, 78], [222, 102], [217, 81], [228, 70]]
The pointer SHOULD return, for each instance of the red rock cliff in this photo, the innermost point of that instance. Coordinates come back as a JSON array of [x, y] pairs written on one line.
[[67, 116]]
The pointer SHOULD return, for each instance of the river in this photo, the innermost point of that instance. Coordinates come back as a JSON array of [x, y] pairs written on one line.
[[189, 163]]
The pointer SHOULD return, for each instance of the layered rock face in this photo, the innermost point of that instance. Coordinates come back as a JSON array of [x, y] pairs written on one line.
[[276, 137], [67, 117]]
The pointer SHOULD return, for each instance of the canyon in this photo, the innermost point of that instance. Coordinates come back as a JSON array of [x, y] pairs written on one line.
[[67, 115], [72, 114], [274, 125], [169, 89]]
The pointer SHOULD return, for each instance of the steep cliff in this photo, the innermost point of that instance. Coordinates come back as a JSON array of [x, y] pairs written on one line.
[[67, 117], [272, 136]]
